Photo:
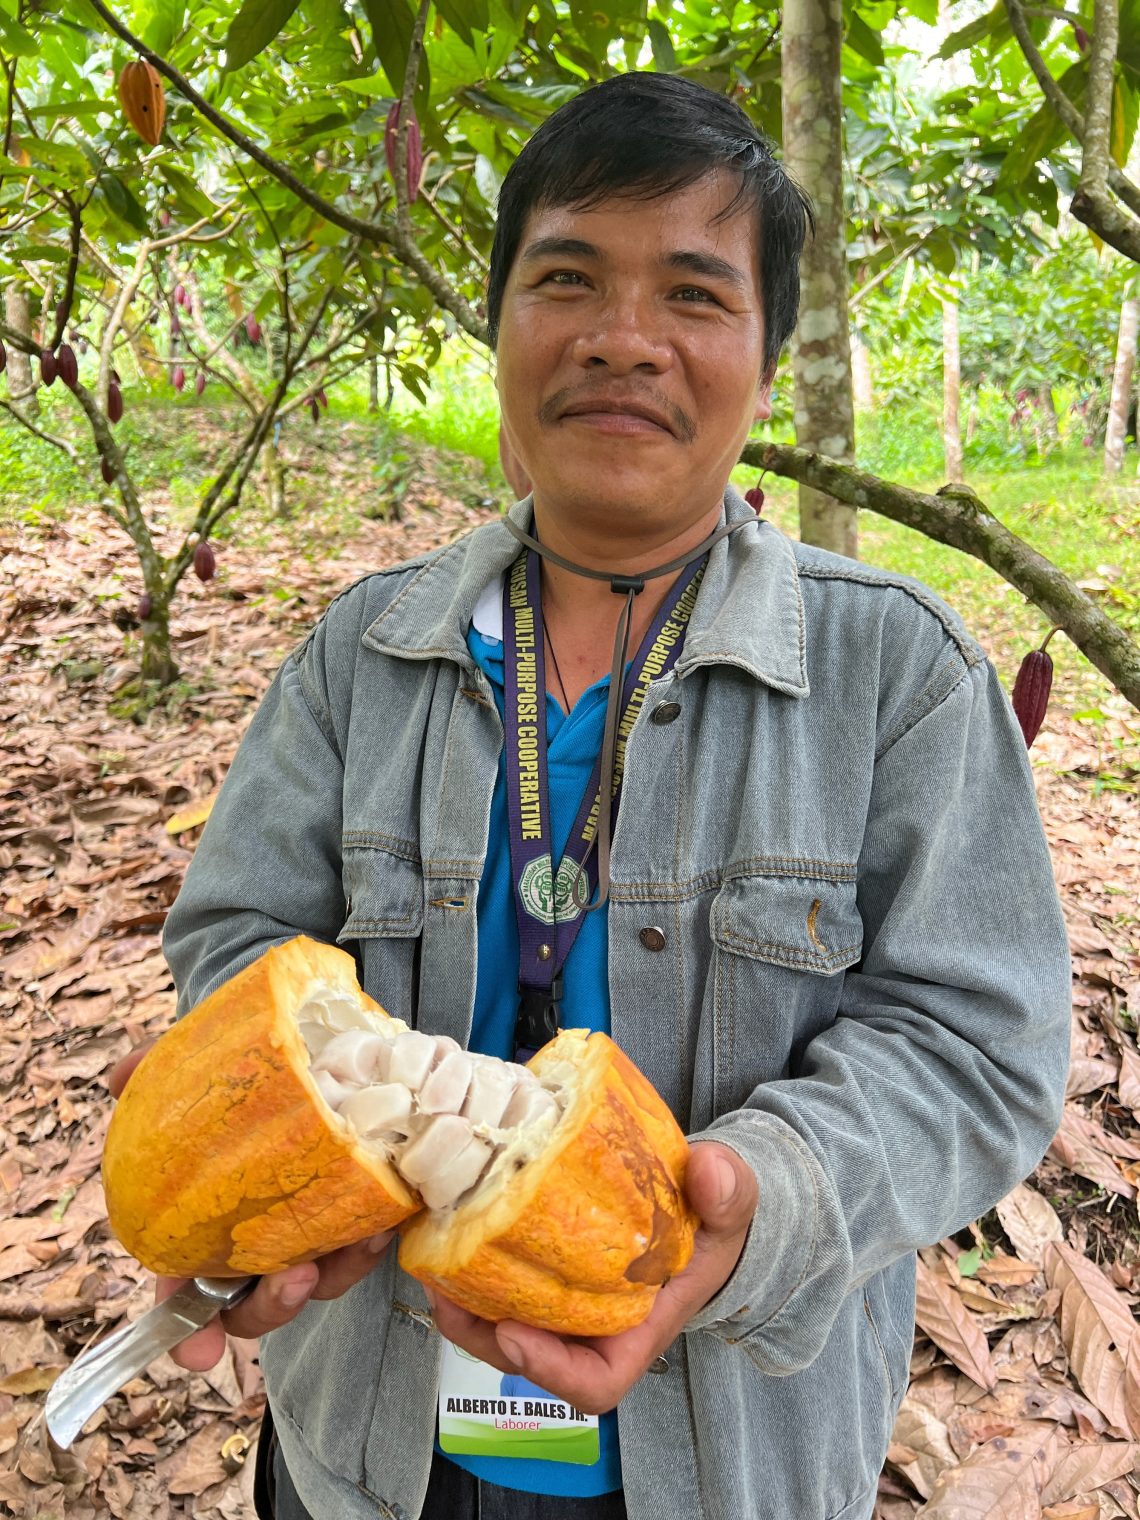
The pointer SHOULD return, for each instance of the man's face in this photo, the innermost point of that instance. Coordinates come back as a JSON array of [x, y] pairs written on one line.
[[630, 352]]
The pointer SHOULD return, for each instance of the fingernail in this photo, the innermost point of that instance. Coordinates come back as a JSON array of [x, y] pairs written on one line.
[[296, 1291], [510, 1346], [726, 1181]]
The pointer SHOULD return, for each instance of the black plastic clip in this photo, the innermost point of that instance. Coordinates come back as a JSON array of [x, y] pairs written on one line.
[[624, 584], [537, 1020]]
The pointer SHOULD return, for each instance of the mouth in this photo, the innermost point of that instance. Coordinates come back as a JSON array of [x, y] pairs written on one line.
[[620, 416]]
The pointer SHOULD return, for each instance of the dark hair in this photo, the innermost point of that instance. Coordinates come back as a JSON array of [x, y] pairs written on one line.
[[646, 135]]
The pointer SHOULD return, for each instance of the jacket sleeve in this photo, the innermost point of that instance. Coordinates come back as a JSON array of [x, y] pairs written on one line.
[[268, 865], [940, 1083]]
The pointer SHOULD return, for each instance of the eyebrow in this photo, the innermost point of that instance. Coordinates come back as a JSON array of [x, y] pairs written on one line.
[[692, 261]]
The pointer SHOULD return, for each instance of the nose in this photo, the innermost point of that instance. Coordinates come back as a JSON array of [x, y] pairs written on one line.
[[625, 337]]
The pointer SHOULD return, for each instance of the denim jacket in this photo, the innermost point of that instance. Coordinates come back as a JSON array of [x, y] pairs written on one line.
[[860, 984]]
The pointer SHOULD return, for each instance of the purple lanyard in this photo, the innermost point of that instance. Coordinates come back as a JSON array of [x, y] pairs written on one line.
[[551, 905]]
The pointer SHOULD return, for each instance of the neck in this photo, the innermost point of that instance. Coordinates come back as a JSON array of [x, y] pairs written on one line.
[[581, 613]]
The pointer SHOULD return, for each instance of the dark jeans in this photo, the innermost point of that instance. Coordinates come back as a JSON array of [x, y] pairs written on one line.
[[452, 1494]]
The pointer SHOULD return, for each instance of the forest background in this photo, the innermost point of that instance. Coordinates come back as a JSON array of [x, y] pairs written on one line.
[[245, 359]]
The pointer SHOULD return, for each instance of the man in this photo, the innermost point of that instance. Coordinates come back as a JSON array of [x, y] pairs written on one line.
[[826, 930]]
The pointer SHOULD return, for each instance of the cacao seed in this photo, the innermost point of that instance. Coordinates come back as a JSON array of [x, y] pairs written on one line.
[[67, 366], [1031, 692], [415, 149], [114, 403], [200, 383], [178, 378], [107, 470], [145, 606], [252, 328], [142, 99], [204, 562], [48, 367]]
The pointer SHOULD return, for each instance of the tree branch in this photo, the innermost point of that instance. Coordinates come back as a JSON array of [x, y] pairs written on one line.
[[59, 443], [956, 517], [398, 239]]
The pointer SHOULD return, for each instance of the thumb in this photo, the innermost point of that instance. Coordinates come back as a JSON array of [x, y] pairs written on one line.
[[721, 1187]]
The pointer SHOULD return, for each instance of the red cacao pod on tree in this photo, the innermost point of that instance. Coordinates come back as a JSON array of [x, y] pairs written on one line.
[[252, 328], [48, 367], [200, 383], [323, 399], [145, 607], [178, 378], [415, 149], [204, 562], [107, 470], [314, 409], [180, 295], [114, 402], [67, 366], [3, 358], [1031, 691], [164, 218], [142, 99]]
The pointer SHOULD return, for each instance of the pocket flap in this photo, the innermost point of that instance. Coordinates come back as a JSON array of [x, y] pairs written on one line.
[[801, 922], [384, 894]]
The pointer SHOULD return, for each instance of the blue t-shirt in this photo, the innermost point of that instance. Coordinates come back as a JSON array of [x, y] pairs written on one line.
[[574, 741]]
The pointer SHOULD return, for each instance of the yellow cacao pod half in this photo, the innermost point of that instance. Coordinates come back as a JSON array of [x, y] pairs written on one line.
[[142, 99], [288, 1115]]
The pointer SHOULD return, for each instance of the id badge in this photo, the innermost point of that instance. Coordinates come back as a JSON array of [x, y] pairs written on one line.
[[487, 1413]]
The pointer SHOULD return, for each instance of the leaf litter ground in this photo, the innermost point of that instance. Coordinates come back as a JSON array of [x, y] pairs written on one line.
[[1024, 1398]]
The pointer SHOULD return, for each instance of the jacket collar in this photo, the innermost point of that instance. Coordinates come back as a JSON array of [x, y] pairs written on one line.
[[749, 612]]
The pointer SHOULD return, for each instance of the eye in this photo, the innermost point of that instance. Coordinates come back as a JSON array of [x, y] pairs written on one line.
[[696, 295], [566, 277]]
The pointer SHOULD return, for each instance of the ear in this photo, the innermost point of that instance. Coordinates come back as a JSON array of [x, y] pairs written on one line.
[[764, 395]]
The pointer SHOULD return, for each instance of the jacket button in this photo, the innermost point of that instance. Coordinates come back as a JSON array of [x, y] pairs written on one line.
[[652, 938], [665, 712]]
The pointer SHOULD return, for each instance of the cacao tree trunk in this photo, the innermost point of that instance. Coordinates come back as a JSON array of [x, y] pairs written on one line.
[[1121, 386], [21, 383], [951, 392], [273, 475], [862, 381], [812, 42], [158, 662]]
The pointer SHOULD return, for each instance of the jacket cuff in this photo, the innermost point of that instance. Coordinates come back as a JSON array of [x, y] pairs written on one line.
[[791, 1244]]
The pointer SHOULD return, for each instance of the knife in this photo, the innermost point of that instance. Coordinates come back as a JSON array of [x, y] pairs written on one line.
[[103, 1369]]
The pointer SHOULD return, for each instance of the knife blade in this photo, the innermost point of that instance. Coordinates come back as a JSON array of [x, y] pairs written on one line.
[[103, 1369]]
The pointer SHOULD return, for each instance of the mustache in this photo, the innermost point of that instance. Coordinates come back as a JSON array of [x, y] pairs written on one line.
[[680, 422]]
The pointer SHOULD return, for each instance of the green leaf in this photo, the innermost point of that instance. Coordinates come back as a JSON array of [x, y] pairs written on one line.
[[35, 253], [968, 1262], [158, 23], [16, 39], [122, 202], [664, 55], [465, 17], [392, 22], [254, 28], [994, 25], [863, 41]]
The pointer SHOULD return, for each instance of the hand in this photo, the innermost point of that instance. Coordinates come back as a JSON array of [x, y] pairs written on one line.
[[594, 1374], [279, 1296]]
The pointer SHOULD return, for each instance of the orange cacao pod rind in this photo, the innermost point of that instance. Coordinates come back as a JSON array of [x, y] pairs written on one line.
[[222, 1158], [143, 100], [581, 1238]]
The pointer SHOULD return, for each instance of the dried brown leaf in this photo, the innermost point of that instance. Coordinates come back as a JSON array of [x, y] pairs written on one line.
[[1082, 1468], [1030, 1221], [1098, 1331], [948, 1323], [921, 1446], [1002, 1480], [1073, 1147]]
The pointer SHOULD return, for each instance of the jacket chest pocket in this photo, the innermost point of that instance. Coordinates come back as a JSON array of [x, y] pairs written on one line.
[[384, 895], [781, 946]]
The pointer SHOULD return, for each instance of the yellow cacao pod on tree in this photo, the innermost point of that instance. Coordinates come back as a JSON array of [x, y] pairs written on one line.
[[288, 1115], [142, 99]]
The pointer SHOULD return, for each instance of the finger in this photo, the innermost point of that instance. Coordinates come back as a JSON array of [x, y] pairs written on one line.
[[277, 1299], [721, 1187], [121, 1071], [343, 1269], [203, 1349], [467, 1330]]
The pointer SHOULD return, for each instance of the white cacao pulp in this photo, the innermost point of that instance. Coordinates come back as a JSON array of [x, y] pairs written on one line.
[[444, 1117]]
